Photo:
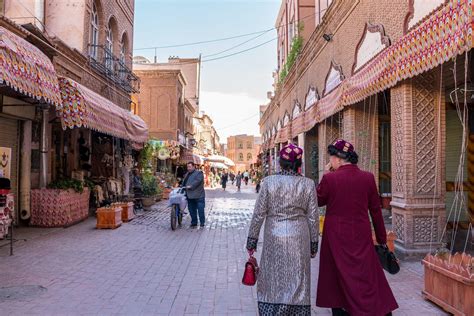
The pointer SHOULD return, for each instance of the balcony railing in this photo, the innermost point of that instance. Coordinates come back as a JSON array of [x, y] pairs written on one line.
[[113, 68]]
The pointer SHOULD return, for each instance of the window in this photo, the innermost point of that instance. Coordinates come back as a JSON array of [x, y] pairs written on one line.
[[249, 145], [122, 59], [290, 34], [321, 8], [123, 52], [241, 146], [241, 157], [94, 40], [282, 55], [109, 46], [249, 157]]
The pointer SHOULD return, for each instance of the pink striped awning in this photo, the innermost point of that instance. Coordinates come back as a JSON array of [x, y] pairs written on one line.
[[24, 68], [82, 107], [445, 34]]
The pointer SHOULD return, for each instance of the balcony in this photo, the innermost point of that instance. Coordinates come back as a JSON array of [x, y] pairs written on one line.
[[109, 65]]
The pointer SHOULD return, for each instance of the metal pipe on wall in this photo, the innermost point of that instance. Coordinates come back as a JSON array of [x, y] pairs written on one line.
[[39, 14], [25, 171], [44, 145]]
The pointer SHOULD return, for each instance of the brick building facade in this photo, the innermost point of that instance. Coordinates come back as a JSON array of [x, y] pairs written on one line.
[[85, 48], [169, 97], [367, 74], [243, 151]]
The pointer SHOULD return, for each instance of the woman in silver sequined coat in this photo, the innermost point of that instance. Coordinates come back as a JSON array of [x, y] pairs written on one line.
[[287, 204]]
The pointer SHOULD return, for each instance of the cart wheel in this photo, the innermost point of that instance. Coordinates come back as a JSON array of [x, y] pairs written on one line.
[[173, 217], [180, 218]]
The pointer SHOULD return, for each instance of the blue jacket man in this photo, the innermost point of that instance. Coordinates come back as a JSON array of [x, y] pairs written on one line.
[[194, 184]]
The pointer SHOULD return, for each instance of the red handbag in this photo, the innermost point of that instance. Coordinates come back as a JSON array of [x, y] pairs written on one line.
[[250, 273]]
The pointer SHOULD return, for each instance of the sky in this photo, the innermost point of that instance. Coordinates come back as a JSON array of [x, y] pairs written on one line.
[[233, 88]]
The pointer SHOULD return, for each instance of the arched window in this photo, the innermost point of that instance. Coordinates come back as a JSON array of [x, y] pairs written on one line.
[[123, 56], [241, 157], [94, 34], [109, 46], [249, 157], [123, 52]]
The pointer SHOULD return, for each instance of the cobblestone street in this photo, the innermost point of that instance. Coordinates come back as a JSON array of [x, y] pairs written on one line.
[[144, 268]]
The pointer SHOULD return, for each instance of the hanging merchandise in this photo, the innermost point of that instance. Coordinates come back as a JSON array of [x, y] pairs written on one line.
[[174, 149], [163, 154], [128, 161]]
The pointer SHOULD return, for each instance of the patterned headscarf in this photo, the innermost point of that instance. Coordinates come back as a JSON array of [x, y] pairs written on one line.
[[291, 153]]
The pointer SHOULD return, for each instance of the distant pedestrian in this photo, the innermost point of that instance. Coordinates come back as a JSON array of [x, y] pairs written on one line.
[[238, 181], [224, 179], [288, 207], [232, 177], [194, 184], [246, 177], [351, 280]]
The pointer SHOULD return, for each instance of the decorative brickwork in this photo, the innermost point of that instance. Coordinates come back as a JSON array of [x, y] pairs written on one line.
[[423, 101], [426, 229], [397, 140], [399, 226]]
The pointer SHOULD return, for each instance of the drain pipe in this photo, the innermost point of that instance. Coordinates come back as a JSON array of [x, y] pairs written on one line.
[[25, 171], [44, 145], [39, 14]]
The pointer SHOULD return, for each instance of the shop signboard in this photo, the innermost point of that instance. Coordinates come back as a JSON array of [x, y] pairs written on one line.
[[5, 162]]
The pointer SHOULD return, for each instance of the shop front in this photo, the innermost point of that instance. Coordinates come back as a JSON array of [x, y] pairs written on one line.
[[28, 91], [94, 145], [405, 105]]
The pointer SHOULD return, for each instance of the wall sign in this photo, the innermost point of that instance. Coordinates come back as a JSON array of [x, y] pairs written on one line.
[[311, 97], [333, 78], [373, 41], [5, 162]]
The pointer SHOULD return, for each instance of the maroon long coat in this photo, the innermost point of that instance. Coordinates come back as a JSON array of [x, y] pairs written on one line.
[[350, 273]]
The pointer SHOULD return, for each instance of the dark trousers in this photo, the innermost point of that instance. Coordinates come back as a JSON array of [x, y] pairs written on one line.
[[196, 206]]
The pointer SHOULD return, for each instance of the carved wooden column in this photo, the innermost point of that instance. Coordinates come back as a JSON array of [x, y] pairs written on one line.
[[418, 164]]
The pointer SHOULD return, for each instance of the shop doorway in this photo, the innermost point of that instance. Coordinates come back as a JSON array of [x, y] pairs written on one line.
[[311, 149]]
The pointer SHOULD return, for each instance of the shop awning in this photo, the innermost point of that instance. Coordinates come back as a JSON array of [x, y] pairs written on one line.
[[221, 159], [445, 34], [24, 68], [218, 165], [82, 107]]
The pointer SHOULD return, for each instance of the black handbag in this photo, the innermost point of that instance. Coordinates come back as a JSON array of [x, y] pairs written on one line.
[[387, 259]]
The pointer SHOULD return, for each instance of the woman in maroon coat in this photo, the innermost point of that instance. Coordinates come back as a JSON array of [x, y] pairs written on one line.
[[351, 280]]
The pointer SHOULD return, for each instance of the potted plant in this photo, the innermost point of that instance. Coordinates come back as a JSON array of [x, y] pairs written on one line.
[[159, 194], [64, 203], [150, 189]]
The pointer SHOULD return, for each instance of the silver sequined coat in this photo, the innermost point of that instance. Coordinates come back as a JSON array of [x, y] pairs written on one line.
[[288, 206]]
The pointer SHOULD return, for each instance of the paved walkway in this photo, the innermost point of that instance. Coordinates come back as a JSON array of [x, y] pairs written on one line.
[[144, 268]]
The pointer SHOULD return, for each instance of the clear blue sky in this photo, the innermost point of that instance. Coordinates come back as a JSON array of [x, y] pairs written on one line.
[[231, 88]]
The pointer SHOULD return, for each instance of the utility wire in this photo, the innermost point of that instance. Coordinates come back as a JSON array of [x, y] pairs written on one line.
[[225, 38], [221, 57], [202, 42], [239, 52], [238, 45]]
